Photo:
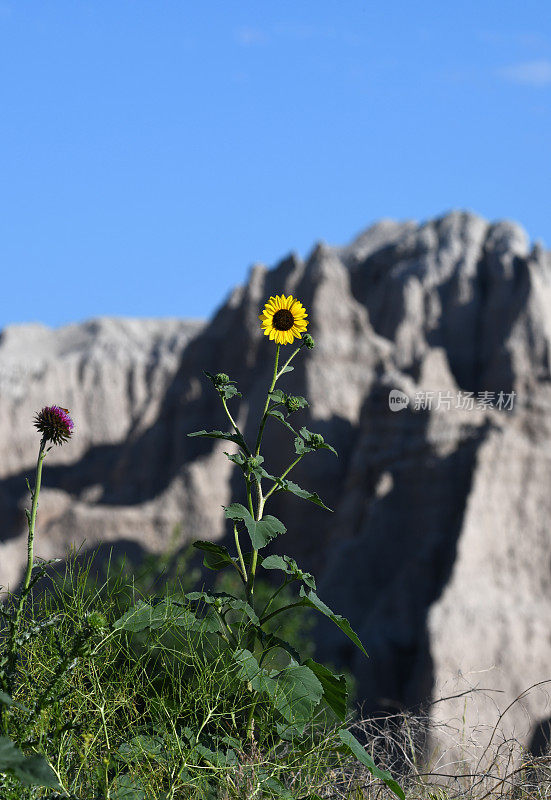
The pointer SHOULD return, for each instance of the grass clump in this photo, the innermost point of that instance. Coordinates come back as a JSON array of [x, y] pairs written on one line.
[[155, 713]]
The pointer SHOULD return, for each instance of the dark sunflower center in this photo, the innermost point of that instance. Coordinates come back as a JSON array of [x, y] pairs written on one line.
[[283, 320]]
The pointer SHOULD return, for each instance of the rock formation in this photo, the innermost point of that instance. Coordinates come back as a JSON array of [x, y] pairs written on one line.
[[438, 550]]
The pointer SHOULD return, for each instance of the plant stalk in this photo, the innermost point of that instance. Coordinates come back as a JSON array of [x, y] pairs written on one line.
[[31, 522]]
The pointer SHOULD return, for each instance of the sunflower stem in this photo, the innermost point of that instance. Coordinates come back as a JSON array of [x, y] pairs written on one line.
[[258, 516], [284, 367], [241, 561], [249, 586], [261, 501], [250, 498], [234, 424], [265, 412]]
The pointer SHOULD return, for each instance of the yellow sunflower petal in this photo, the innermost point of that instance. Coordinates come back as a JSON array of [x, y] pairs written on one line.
[[298, 313]]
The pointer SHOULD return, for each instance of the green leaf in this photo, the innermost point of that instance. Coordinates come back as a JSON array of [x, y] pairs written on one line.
[[229, 391], [265, 530], [261, 473], [236, 511], [290, 732], [269, 641], [277, 395], [216, 556], [141, 616], [6, 700], [274, 785], [141, 745], [250, 671], [126, 787], [31, 770], [286, 369], [279, 416], [353, 745], [230, 437], [335, 691], [241, 460], [34, 630], [289, 565], [262, 531], [225, 600], [313, 497], [226, 390], [301, 448], [237, 458], [217, 758], [311, 599], [307, 436], [299, 692], [144, 615], [294, 690]]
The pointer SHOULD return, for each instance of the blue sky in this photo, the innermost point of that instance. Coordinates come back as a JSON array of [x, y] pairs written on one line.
[[152, 150]]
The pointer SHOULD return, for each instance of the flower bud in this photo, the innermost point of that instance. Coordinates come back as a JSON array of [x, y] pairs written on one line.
[[96, 620], [316, 440], [221, 379], [253, 462], [292, 404], [308, 341], [87, 739]]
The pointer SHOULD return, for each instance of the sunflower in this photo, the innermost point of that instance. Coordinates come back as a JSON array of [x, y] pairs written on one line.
[[283, 319]]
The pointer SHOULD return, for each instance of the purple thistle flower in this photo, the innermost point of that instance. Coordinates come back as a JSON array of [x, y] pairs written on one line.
[[54, 423]]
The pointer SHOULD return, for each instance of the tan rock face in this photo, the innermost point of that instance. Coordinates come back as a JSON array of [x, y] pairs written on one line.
[[439, 548]]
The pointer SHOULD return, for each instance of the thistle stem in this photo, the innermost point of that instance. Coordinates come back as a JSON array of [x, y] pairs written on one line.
[[34, 508], [31, 522]]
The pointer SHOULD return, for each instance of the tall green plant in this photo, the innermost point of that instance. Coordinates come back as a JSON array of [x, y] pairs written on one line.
[[56, 427], [296, 690]]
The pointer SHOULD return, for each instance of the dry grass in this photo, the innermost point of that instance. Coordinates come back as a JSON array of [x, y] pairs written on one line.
[[413, 748]]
